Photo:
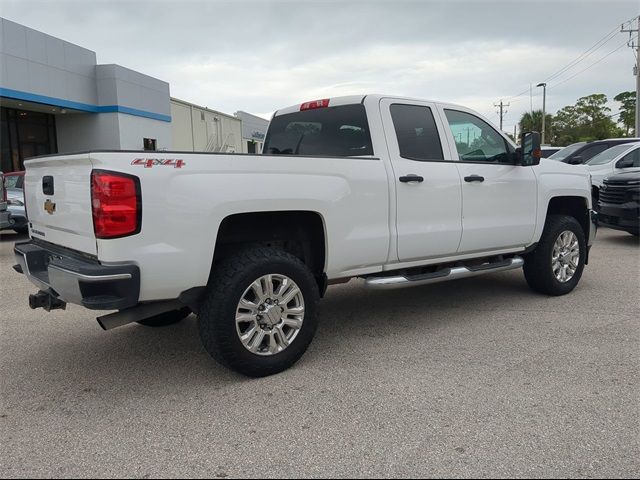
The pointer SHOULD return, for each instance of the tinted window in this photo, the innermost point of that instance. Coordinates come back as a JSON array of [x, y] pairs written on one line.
[[334, 131], [608, 155], [630, 160], [476, 140], [591, 151], [566, 151], [416, 131]]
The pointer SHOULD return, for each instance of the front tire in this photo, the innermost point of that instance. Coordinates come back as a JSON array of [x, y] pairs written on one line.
[[556, 265], [258, 316]]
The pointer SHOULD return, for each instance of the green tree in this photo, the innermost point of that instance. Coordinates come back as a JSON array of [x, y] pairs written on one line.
[[594, 117], [565, 126], [627, 110], [532, 122]]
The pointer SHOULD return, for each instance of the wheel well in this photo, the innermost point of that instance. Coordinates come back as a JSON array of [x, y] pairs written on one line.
[[300, 233], [576, 207]]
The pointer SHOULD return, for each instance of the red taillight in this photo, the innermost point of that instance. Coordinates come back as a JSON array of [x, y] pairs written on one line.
[[115, 202], [315, 104]]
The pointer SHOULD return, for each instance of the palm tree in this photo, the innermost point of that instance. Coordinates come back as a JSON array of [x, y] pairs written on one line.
[[532, 122]]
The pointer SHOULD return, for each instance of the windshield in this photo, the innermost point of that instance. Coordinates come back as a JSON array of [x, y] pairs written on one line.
[[334, 132], [566, 151], [609, 154]]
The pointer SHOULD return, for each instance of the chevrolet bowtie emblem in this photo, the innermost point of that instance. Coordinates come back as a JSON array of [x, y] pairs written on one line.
[[49, 207]]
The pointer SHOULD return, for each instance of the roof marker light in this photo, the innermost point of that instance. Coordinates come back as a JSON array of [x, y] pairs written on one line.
[[314, 104]]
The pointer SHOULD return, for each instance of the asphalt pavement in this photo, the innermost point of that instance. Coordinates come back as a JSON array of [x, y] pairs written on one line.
[[473, 378]]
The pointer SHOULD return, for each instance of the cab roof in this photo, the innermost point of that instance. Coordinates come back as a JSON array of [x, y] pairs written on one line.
[[350, 100]]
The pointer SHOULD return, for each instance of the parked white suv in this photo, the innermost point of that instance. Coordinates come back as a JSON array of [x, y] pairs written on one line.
[[398, 191], [619, 159]]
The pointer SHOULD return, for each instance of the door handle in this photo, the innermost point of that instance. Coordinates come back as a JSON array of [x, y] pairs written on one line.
[[474, 178], [411, 178]]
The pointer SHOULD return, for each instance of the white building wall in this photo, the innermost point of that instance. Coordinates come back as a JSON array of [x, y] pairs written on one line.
[[134, 129], [87, 131], [181, 131], [199, 129], [109, 131]]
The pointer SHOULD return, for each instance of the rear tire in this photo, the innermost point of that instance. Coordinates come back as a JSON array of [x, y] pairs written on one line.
[[228, 339], [540, 268], [167, 318]]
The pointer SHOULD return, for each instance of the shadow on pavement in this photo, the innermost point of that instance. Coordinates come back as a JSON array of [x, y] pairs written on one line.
[[617, 237], [7, 236], [148, 360]]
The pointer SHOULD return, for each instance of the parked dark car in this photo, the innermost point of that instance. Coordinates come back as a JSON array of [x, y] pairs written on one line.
[[581, 152], [5, 219], [619, 203], [547, 150]]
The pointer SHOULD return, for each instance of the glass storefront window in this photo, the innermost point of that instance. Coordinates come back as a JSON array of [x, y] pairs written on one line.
[[23, 135]]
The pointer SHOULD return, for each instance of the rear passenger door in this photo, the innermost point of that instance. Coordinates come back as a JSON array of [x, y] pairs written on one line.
[[428, 189]]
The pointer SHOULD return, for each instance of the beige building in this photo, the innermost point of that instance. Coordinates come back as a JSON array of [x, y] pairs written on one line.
[[199, 129]]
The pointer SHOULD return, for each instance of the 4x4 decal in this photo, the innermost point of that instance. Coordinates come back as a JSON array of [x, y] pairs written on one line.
[[165, 162]]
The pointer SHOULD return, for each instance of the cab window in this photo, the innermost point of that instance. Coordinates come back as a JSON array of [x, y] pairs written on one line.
[[476, 140], [416, 132], [630, 160]]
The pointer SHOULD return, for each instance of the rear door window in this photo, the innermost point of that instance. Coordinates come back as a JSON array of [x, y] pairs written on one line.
[[341, 131], [592, 151], [416, 131]]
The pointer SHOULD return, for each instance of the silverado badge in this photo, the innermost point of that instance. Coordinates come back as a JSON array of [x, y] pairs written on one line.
[[49, 207]]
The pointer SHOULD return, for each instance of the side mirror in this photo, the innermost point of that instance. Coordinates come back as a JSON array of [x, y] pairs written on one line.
[[529, 152], [577, 160]]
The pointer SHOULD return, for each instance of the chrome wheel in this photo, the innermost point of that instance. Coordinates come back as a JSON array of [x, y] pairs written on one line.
[[269, 315], [565, 257]]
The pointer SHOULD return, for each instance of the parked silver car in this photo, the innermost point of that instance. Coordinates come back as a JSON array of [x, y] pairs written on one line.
[[14, 186]]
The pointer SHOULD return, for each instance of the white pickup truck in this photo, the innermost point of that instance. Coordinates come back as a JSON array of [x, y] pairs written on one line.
[[397, 191]]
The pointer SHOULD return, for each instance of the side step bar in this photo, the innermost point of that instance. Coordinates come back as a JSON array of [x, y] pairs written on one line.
[[453, 273]]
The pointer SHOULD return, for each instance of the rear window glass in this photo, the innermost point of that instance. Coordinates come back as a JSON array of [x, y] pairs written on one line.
[[334, 132], [14, 181], [416, 131]]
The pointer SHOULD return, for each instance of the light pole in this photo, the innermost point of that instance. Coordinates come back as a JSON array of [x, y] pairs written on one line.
[[544, 105]]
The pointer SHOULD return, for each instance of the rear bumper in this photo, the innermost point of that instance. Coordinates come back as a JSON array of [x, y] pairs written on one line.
[[75, 279]]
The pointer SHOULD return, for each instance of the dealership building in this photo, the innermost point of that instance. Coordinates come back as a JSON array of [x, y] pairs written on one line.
[[56, 98]]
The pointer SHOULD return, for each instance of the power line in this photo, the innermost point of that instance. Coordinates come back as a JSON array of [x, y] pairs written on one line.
[[596, 46], [592, 65], [610, 36]]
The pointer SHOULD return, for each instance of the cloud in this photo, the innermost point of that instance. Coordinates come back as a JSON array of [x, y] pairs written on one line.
[[259, 56]]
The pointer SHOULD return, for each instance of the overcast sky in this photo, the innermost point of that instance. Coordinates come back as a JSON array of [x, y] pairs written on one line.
[[261, 55]]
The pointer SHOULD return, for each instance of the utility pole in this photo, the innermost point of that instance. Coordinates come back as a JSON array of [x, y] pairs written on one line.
[[636, 70], [502, 110], [544, 108]]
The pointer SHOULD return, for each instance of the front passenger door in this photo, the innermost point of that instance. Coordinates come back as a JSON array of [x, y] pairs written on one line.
[[499, 198]]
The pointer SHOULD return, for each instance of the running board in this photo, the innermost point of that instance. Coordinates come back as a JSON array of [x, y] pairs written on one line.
[[453, 273]]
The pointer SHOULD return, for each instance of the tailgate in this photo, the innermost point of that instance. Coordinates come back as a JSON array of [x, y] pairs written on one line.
[[58, 200]]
